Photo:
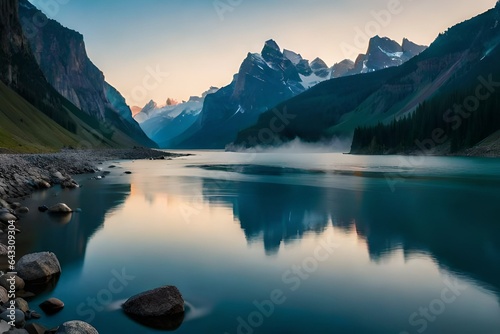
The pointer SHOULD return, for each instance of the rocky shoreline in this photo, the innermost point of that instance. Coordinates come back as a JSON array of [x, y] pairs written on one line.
[[21, 174]]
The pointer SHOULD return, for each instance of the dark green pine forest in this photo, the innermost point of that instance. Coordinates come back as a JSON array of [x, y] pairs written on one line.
[[464, 112]]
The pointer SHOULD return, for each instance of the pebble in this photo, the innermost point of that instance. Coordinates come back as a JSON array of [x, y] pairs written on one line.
[[43, 208]]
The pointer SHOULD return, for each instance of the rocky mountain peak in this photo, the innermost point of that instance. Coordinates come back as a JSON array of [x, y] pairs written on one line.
[[386, 44], [151, 105], [341, 69], [295, 58], [318, 64], [411, 48], [271, 51], [320, 68]]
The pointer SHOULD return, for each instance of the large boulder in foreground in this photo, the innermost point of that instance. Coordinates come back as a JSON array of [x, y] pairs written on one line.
[[161, 308], [159, 302], [76, 327], [38, 267]]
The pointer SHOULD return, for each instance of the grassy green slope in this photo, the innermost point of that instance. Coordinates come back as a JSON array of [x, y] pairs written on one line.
[[25, 129]]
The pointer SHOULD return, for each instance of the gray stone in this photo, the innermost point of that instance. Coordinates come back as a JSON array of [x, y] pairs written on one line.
[[22, 305], [6, 217], [19, 282], [57, 176], [69, 183], [3, 251], [4, 204], [76, 327], [23, 210], [38, 266], [41, 184], [19, 317], [4, 295], [17, 331], [15, 205], [4, 326], [164, 301], [60, 208]]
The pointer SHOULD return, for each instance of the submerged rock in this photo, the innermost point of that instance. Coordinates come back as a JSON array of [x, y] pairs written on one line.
[[32, 315], [52, 306], [23, 210], [76, 327], [38, 266], [60, 208], [43, 208]]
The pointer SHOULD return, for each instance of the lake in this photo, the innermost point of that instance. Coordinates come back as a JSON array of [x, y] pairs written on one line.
[[281, 243]]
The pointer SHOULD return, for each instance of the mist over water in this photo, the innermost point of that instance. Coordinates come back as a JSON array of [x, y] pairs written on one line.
[[297, 146]]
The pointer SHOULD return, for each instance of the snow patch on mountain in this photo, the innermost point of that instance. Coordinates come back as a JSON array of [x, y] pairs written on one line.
[[392, 54]]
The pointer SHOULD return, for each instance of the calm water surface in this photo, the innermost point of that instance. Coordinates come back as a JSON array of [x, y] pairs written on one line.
[[340, 244]]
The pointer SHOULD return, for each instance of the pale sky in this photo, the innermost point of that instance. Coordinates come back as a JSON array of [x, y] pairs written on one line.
[[201, 43]]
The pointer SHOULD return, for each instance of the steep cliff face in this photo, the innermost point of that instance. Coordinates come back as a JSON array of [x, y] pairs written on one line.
[[20, 71], [11, 41], [61, 55], [34, 117]]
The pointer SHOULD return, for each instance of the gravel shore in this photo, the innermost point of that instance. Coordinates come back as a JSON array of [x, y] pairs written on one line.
[[21, 174]]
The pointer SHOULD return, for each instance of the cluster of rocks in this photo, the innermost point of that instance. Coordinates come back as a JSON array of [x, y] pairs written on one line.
[[21, 174], [33, 270], [161, 308]]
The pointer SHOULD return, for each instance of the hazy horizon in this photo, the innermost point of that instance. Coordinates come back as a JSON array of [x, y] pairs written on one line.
[[202, 43]]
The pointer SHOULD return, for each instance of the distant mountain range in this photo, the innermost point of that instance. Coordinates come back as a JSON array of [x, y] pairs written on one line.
[[421, 93], [163, 124], [263, 80]]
